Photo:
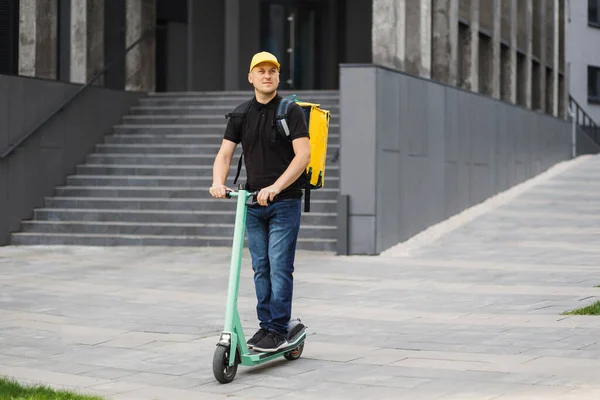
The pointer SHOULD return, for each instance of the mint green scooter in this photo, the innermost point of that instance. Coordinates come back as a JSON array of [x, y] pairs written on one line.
[[232, 349]]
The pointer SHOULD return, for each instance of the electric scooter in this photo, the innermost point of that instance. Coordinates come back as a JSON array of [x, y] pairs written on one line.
[[232, 349]]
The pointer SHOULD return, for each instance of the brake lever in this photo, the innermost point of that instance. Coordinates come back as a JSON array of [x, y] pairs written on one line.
[[252, 199]]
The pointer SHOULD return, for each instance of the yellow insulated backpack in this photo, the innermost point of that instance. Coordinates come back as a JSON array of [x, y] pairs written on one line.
[[317, 121]]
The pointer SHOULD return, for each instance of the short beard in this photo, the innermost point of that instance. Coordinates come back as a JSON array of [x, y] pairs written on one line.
[[267, 93]]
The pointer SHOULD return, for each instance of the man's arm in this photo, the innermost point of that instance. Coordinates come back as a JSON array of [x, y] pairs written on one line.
[[292, 172], [221, 168]]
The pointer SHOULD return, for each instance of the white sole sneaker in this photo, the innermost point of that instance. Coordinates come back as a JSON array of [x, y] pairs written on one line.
[[271, 350]]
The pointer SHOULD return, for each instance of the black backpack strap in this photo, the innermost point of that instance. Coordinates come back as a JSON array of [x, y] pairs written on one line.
[[239, 168], [238, 117], [307, 196]]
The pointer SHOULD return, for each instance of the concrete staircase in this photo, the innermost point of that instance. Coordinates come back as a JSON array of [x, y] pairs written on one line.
[[147, 184]]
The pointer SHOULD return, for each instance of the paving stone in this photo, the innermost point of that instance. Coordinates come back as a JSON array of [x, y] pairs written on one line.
[[474, 315]]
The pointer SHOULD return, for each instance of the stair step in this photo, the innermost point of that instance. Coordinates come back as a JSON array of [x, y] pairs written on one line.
[[165, 149], [165, 191], [157, 229], [158, 182], [231, 102], [199, 110], [181, 138], [207, 157], [212, 119], [148, 240], [164, 170], [161, 216], [198, 129], [173, 203], [245, 93]]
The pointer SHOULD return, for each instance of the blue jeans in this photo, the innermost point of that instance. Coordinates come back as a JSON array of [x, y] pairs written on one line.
[[272, 233]]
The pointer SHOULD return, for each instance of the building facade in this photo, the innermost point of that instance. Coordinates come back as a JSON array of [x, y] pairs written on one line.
[[583, 54], [512, 50]]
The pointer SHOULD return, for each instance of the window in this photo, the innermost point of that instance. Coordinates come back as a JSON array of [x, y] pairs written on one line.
[[594, 13], [593, 84]]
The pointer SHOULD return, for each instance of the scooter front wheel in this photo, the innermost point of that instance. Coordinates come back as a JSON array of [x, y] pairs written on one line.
[[224, 373]]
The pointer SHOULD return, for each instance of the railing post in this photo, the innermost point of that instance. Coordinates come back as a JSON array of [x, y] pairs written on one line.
[[342, 224]]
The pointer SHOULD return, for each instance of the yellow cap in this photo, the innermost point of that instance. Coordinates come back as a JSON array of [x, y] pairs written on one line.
[[263, 56]]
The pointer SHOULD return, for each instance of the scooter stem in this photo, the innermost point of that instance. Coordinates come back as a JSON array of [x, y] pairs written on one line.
[[236, 260]]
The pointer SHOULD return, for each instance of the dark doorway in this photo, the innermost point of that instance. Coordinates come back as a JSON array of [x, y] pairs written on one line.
[[171, 45], [295, 32], [9, 37], [115, 27]]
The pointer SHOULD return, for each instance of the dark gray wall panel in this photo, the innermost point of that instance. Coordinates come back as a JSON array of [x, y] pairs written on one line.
[[451, 189], [416, 125], [361, 232], [389, 197], [44, 161], [452, 126], [464, 127], [388, 113], [429, 151], [357, 154]]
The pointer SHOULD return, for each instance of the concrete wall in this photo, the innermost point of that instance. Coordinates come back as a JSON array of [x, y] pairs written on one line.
[[583, 49], [40, 164], [415, 152]]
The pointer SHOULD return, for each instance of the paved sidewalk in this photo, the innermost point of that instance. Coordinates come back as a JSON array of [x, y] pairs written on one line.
[[473, 315]]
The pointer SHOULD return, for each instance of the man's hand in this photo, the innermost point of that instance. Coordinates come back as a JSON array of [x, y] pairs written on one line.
[[218, 191], [267, 194]]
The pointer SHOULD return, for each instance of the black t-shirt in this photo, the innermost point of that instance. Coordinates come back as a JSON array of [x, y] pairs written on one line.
[[265, 160]]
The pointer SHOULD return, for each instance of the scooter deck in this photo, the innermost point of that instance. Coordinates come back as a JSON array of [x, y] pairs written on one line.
[[254, 356]]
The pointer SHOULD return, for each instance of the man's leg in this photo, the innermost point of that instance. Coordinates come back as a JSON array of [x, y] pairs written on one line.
[[258, 241], [284, 226]]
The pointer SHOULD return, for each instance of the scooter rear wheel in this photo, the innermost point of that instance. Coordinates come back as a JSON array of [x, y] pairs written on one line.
[[294, 354], [224, 373]]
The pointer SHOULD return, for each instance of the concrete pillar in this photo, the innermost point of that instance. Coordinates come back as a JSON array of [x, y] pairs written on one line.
[[472, 78], [425, 14], [418, 41], [140, 70], [496, 49], [444, 57], [513, 51], [87, 40], [389, 32], [543, 61], [401, 33], [528, 53], [556, 66], [37, 38]]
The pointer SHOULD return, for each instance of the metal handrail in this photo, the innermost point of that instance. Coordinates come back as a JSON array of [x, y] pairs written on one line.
[[583, 119], [13, 147]]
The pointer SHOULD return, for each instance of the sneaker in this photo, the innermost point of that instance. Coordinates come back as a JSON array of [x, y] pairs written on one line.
[[271, 342], [261, 333]]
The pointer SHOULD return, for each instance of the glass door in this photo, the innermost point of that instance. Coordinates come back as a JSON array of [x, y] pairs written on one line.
[[291, 31]]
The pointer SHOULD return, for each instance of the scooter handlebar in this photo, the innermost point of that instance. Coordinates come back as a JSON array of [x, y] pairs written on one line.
[[230, 193]]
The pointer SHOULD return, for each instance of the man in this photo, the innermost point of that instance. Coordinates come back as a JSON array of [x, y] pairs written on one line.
[[274, 167]]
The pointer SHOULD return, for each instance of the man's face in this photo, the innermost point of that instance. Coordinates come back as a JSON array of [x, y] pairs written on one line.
[[264, 77]]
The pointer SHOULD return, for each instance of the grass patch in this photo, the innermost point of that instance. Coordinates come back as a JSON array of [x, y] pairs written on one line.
[[12, 390], [592, 309]]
